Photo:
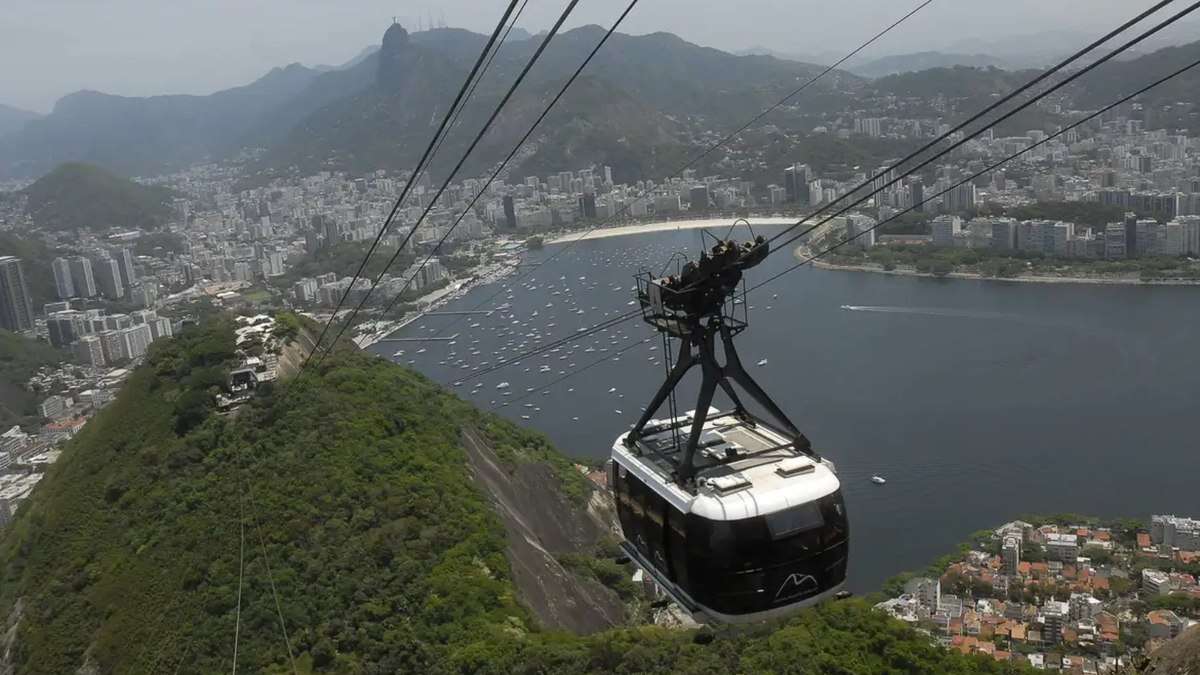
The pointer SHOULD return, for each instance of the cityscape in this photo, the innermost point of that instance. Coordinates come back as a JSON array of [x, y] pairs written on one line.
[[1063, 597]]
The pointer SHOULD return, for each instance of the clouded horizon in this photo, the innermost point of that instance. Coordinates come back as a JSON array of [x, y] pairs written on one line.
[[143, 47]]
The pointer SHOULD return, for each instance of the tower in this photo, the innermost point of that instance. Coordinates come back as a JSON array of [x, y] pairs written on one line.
[[16, 307]]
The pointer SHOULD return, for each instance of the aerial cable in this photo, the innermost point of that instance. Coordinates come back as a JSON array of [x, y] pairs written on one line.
[[475, 85], [824, 252], [516, 148], [482, 132], [254, 519], [270, 578], [977, 116], [977, 174], [692, 162], [416, 171], [237, 622], [574, 337], [612, 322], [1071, 78], [575, 372]]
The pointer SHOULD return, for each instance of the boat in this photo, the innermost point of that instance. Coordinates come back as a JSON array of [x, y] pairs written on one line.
[[761, 362], [502, 385], [878, 480]]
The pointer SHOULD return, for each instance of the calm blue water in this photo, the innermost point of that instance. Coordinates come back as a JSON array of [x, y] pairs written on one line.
[[978, 401]]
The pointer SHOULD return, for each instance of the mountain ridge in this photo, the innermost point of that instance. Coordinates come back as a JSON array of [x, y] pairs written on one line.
[[918, 61]]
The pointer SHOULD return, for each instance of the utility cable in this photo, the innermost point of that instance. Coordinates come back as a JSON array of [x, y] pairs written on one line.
[[516, 148], [977, 174], [425, 157], [1036, 98], [694, 160], [630, 315], [977, 116], [237, 625], [487, 125]]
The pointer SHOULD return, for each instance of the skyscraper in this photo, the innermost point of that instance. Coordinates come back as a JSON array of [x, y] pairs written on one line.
[[124, 259], [587, 206], [795, 182], [16, 307], [62, 278], [108, 278], [510, 213], [82, 278], [61, 328]]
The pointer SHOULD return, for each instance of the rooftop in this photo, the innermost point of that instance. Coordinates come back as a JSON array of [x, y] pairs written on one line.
[[743, 470]]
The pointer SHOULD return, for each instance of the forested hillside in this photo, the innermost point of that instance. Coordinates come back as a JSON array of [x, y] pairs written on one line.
[[365, 545], [84, 196]]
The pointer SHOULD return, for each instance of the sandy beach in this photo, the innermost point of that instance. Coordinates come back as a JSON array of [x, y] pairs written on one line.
[[665, 226], [1026, 278]]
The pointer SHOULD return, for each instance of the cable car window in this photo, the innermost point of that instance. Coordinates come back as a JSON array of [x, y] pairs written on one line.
[[677, 551], [794, 520], [654, 526], [837, 529]]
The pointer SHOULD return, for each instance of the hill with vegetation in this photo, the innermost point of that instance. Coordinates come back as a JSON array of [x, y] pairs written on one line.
[[83, 196], [916, 61], [20, 358], [336, 517]]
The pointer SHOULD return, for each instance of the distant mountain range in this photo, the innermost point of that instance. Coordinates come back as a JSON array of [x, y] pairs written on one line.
[[134, 135], [640, 105], [906, 63], [14, 119], [377, 110]]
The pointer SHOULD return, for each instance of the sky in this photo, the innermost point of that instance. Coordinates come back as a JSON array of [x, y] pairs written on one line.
[[49, 48]]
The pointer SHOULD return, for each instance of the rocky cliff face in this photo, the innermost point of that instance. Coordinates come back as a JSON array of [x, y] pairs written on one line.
[[542, 524], [1180, 656]]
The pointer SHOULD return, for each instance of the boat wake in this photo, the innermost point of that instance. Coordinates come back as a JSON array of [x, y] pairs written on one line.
[[929, 311]]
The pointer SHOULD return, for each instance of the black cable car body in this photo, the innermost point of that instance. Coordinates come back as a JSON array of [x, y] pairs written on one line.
[[736, 518]]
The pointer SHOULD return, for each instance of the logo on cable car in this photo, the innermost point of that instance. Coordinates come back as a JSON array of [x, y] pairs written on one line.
[[795, 586]]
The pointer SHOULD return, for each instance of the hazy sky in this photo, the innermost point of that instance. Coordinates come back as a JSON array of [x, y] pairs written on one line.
[[49, 48]]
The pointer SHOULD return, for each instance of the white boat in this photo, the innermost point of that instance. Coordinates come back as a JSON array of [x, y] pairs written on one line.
[[502, 385], [878, 480], [762, 362]]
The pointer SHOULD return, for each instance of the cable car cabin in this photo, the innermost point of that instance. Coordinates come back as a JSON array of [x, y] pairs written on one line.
[[762, 534]]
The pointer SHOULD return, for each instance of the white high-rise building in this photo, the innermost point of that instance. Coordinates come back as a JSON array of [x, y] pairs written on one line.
[[82, 279], [1011, 551], [62, 278]]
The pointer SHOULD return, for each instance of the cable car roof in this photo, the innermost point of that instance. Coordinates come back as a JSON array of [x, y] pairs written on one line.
[[764, 475]]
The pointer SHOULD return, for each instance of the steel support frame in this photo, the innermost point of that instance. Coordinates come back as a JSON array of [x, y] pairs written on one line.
[[699, 348]]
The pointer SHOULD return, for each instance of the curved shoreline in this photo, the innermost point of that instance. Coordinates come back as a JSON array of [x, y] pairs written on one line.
[[664, 226], [801, 254]]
